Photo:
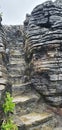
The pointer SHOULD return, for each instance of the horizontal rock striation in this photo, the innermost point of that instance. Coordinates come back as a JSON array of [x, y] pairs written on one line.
[[16, 60], [43, 48], [4, 76]]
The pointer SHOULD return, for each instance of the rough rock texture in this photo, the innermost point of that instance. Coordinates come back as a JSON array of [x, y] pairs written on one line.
[[15, 56], [31, 60], [43, 48], [25, 97], [4, 76]]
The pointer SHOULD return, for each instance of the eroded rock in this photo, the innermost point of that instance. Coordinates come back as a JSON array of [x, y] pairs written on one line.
[[43, 48]]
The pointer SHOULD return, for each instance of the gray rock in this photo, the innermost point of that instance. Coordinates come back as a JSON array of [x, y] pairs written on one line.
[[19, 123], [43, 48]]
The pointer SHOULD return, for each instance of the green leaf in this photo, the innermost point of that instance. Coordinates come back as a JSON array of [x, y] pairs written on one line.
[[8, 106], [9, 125]]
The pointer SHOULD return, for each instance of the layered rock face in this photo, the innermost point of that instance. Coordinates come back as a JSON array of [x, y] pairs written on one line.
[[4, 76], [15, 57], [25, 98], [43, 48]]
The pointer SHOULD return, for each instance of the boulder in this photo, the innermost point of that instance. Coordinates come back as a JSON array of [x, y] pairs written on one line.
[[43, 49]]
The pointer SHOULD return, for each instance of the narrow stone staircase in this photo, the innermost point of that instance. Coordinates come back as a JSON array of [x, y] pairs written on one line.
[[30, 110]]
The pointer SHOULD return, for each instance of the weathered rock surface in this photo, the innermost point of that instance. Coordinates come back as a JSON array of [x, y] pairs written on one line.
[[35, 120], [15, 54], [25, 97], [33, 60], [43, 48], [4, 82]]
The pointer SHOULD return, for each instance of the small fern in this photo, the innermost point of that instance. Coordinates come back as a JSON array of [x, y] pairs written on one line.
[[8, 108], [8, 125]]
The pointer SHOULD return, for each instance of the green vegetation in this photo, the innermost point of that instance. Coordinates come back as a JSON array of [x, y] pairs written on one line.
[[8, 108], [8, 125]]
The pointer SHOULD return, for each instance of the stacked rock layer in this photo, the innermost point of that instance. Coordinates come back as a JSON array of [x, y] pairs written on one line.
[[43, 48], [27, 112], [16, 60], [4, 76]]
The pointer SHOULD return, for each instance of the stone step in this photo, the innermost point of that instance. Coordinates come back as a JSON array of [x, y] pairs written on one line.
[[15, 66], [17, 80], [34, 121], [15, 52], [17, 45], [25, 103], [15, 72], [15, 75], [14, 69], [17, 56], [20, 88], [17, 62], [22, 65], [16, 59], [15, 48]]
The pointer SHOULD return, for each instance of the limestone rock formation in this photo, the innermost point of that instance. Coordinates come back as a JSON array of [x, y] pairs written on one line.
[[15, 56], [4, 82], [43, 48], [25, 98]]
